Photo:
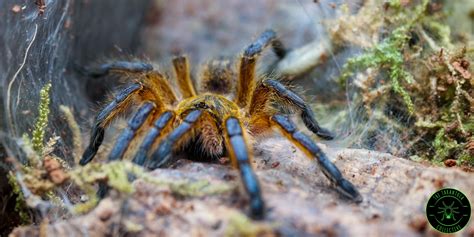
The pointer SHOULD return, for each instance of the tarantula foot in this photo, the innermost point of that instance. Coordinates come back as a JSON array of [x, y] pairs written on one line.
[[140, 158], [257, 209], [325, 134], [87, 157], [347, 189], [311, 123], [103, 190], [257, 47], [161, 156]]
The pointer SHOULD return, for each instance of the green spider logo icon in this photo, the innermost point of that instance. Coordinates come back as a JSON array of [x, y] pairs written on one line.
[[448, 211]]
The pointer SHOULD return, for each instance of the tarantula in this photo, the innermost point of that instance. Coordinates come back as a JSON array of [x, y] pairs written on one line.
[[216, 120]]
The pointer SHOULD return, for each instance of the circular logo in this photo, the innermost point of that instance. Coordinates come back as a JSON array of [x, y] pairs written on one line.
[[448, 210]]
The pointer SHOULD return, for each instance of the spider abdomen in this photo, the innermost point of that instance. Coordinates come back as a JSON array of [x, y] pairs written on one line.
[[217, 76]]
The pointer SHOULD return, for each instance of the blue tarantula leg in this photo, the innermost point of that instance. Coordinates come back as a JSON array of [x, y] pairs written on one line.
[[140, 157], [306, 113], [130, 132], [330, 170], [125, 66], [124, 139], [103, 118], [163, 154], [103, 189], [248, 63], [240, 155], [158, 126], [266, 38]]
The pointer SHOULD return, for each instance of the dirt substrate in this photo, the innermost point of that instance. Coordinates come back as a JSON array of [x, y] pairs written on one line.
[[299, 199]]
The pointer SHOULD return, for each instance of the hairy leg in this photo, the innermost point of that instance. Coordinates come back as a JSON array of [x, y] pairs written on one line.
[[264, 92], [127, 135], [159, 85], [311, 149], [123, 141], [118, 106], [183, 76], [152, 86], [164, 120], [241, 156], [163, 153], [139, 71], [248, 63]]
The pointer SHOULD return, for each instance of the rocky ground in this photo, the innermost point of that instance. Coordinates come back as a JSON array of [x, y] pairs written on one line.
[[298, 196]]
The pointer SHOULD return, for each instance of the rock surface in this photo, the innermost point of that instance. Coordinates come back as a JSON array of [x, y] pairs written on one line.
[[298, 196]]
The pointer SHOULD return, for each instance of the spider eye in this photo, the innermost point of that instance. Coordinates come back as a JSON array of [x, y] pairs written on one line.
[[201, 105]]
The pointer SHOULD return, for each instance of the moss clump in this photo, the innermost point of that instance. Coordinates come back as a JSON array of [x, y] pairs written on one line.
[[20, 204], [387, 54], [430, 75], [198, 188], [117, 174], [240, 225], [189, 188], [42, 120], [445, 115]]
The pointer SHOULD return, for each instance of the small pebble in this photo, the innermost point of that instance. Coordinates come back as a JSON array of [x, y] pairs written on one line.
[[84, 198], [450, 163], [105, 214], [16, 8]]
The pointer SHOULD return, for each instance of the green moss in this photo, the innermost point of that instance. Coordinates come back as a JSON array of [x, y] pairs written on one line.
[[116, 175], [199, 188], [20, 204], [87, 206], [443, 145], [83, 208], [388, 54], [441, 31], [188, 187], [240, 225], [42, 121], [424, 76], [466, 157], [55, 199], [396, 4], [446, 147], [27, 147]]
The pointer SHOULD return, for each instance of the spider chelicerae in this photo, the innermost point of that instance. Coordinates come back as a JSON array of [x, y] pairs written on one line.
[[216, 120]]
